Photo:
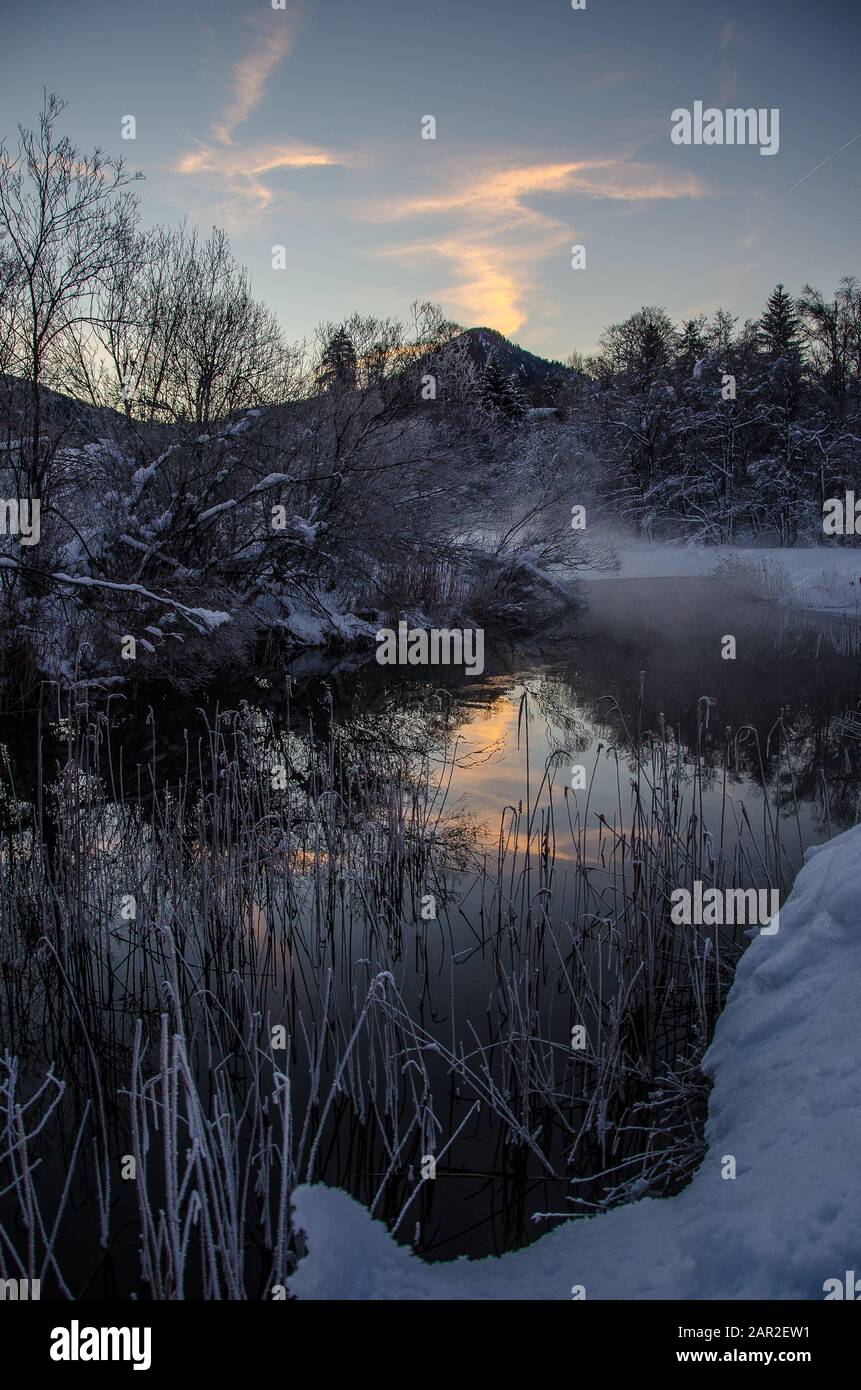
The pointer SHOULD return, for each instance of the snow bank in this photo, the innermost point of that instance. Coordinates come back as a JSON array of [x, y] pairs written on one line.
[[307, 628], [210, 618], [819, 575], [786, 1103]]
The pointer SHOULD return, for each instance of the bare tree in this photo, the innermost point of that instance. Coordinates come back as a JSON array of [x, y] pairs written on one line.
[[10, 312], [65, 218], [832, 336], [178, 335]]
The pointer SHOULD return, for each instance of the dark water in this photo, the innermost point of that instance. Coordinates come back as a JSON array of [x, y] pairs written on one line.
[[666, 636], [763, 754]]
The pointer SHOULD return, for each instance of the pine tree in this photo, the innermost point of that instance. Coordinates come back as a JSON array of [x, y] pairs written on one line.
[[692, 345], [779, 325], [500, 394], [338, 365], [517, 403]]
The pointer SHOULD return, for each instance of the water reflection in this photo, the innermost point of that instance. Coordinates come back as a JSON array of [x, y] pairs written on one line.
[[547, 901]]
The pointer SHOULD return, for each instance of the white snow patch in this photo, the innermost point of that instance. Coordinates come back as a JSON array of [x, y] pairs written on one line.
[[209, 617], [271, 480], [809, 568], [786, 1065], [143, 475], [307, 628], [215, 510]]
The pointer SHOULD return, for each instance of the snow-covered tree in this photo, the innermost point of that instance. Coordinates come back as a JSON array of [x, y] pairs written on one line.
[[500, 395]]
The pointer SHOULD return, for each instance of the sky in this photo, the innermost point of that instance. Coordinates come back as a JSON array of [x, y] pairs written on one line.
[[302, 127]]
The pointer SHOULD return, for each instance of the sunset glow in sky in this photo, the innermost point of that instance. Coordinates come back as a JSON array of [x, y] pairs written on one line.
[[302, 127]]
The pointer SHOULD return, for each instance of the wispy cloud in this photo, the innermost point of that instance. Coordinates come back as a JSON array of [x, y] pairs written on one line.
[[500, 195], [249, 78], [495, 239], [490, 281], [731, 37], [239, 175], [233, 174]]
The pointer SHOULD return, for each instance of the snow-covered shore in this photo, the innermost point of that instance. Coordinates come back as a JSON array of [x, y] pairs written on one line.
[[786, 1105], [824, 579]]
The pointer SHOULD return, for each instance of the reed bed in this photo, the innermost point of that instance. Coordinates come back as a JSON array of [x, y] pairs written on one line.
[[218, 982]]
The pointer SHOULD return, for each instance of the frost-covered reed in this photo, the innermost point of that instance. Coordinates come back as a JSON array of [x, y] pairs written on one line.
[[218, 981]]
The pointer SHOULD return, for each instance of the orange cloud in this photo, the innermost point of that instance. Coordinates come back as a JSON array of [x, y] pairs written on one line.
[[235, 175], [240, 173], [498, 239], [501, 194], [488, 287]]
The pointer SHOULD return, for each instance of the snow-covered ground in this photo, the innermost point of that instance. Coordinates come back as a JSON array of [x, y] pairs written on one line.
[[821, 575], [786, 1105], [823, 579]]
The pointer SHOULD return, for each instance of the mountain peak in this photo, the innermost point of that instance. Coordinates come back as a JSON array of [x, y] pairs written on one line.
[[537, 376]]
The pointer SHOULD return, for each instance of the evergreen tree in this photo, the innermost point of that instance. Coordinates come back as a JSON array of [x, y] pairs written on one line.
[[779, 325], [500, 394], [338, 365], [692, 345]]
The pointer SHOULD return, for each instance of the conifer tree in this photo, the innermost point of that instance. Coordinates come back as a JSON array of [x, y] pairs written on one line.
[[501, 394], [779, 324], [338, 365]]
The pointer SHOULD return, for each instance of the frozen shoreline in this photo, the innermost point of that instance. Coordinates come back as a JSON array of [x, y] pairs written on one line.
[[669, 559], [786, 1104]]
